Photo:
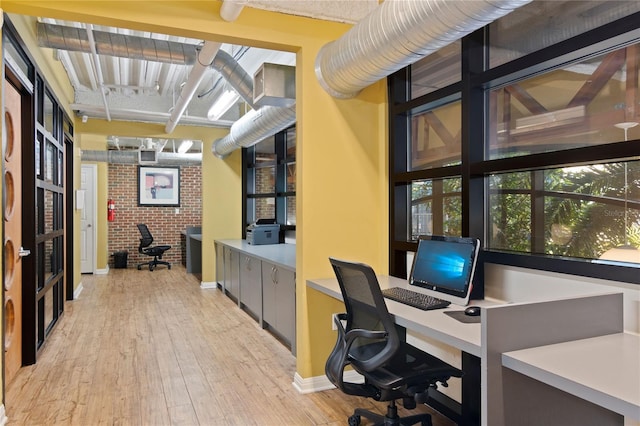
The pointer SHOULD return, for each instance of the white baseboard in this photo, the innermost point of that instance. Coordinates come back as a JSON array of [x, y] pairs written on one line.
[[3, 416], [104, 271], [208, 284], [320, 383], [77, 291]]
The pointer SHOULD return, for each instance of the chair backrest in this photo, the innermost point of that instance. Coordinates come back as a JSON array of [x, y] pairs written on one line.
[[146, 239], [366, 310]]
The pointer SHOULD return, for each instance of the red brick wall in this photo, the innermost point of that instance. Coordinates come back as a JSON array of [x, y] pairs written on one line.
[[163, 222]]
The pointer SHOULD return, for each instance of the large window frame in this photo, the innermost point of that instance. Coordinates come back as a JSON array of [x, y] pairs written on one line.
[[283, 162], [476, 81]]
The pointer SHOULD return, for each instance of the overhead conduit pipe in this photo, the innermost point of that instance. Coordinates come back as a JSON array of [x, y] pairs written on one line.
[[397, 34]]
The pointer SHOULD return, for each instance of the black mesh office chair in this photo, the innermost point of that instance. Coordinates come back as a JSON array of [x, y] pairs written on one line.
[[371, 344], [145, 248]]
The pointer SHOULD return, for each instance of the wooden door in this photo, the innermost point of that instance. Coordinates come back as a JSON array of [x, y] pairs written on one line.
[[12, 232]]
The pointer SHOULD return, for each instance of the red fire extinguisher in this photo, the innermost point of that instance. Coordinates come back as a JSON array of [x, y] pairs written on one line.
[[111, 210]]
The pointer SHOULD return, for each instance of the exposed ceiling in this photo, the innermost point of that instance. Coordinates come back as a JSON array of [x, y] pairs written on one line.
[[111, 83], [121, 86]]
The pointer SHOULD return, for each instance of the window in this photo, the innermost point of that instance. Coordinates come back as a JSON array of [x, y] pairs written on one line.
[[270, 180], [534, 151]]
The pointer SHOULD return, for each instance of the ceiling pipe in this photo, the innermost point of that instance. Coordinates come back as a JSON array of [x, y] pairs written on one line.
[[98, 70], [230, 10], [235, 75], [114, 44], [131, 157], [253, 127], [399, 33], [205, 59]]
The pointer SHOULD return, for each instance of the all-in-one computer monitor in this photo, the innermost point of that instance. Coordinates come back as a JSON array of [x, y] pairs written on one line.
[[443, 267]]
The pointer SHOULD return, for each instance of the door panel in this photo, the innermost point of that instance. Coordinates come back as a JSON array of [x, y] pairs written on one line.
[[87, 217], [13, 232]]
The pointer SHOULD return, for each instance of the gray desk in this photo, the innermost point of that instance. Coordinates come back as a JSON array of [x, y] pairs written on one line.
[[193, 247], [505, 399], [603, 370]]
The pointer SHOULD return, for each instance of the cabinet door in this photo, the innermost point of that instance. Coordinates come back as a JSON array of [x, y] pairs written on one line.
[[232, 278], [269, 308], [220, 265], [285, 282], [251, 285]]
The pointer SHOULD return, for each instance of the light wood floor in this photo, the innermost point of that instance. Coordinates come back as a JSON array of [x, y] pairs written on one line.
[[152, 348]]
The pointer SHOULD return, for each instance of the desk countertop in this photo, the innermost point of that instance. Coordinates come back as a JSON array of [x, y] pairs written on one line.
[[604, 370], [434, 324]]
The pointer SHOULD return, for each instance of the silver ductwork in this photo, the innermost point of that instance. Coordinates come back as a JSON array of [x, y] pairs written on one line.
[[253, 127], [112, 44], [397, 34], [131, 157], [235, 75]]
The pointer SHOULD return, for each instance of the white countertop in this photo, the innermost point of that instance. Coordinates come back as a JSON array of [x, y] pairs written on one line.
[[435, 323]]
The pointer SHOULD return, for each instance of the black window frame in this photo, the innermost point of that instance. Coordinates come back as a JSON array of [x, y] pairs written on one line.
[[476, 80], [281, 195]]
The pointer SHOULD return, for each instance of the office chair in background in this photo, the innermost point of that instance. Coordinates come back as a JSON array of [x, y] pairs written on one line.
[[155, 251], [370, 343]]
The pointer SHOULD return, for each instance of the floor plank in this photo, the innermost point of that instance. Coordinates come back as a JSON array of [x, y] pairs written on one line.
[[153, 348]]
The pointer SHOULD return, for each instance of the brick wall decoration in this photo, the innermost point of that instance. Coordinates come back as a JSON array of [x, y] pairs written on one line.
[[163, 222]]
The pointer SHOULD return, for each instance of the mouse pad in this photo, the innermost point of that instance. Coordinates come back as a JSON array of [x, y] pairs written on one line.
[[460, 316]]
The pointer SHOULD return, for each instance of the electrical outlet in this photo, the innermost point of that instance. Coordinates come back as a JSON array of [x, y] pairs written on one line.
[[333, 321]]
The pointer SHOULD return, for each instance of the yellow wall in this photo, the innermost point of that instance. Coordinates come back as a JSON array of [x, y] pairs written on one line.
[[342, 206]]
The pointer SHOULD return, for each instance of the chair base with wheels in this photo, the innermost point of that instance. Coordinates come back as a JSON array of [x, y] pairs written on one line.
[[146, 248], [157, 255]]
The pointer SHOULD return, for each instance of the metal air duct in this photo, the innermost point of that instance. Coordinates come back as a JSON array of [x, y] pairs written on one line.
[[397, 34], [131, 157], [235, 75], [253, 127], [112, 44]]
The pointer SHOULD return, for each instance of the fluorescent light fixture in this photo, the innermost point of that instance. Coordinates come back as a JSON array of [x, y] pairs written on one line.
[[184, 146], [222, 104]]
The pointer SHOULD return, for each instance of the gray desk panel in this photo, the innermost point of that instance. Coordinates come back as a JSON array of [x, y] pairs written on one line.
[[604, 370]]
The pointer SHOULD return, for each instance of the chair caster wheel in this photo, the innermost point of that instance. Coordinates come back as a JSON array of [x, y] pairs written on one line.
[[139, 267], [354, 420], [151, 267], [169, 266]]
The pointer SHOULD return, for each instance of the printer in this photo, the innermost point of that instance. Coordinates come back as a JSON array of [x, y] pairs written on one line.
[[263, 231]]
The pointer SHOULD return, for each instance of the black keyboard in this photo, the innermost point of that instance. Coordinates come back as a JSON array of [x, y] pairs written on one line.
[[415, 299]]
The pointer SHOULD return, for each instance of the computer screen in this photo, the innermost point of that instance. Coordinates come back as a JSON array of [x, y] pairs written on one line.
[[444, 266]]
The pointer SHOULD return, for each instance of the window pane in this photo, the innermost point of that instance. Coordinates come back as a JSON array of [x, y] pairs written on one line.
[[266, 180], [291, 177], [265, 208], [435, 71], [510, 212], [580, 105], [584, 212], [291, 143], [435, 137], [265, 151], [48, 211], [48, 113], [436, 207], [540, 24], [291, 210]]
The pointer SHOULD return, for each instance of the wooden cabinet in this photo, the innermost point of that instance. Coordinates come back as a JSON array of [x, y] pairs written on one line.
[[279, 301], [251, 285]]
